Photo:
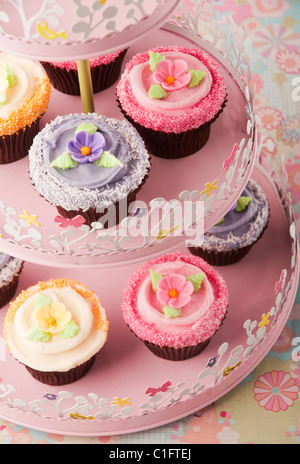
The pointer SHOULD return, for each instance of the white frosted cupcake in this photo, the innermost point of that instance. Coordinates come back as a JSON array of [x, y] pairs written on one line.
[[55, 329]]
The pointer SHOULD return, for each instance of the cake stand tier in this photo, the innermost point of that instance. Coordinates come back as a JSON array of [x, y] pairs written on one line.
[[214, 177], [129, 389], [77, 30]]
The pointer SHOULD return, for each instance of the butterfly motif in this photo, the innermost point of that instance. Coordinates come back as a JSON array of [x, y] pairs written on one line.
[[280, 283], [76, 221], [162, 389], [231, 158]]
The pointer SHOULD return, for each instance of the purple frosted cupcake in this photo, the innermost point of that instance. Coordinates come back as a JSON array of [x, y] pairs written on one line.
[[10, 270], [235, 234], [89, 166]]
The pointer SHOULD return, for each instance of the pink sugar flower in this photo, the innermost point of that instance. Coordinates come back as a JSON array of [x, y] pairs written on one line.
[[174, 291], [172, 76]]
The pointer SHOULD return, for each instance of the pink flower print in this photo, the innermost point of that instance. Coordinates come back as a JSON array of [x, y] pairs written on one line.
[[270, 117], [289, 61], [172, 76], [276, 391], [270, 40], [174, 291], [267, 8]]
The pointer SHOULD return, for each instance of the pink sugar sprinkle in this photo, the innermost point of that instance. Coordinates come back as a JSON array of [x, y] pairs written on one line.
[[94, 62], [200, 113], [201, 331]]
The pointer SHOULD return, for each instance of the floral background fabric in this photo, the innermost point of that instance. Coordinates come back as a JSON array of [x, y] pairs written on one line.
[[265, 407]]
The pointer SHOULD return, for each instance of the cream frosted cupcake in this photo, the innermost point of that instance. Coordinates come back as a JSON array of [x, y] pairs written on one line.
[[56, 328], [175, 304], [24, 96], [105, 70], [172, 95], [10, 270]]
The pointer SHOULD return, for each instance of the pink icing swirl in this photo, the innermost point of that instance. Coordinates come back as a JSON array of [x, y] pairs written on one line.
[[201, 316], [201, 108]]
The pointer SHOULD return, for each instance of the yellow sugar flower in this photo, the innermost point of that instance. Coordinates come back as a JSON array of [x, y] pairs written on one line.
[[53, 319]]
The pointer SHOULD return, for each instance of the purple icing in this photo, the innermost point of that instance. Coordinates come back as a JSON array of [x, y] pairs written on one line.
[[86, 175], [94, 142], [237, 221], [3, 260], [242, 228]]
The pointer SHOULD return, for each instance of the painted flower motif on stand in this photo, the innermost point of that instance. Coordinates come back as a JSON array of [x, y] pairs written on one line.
[[174, 291], [276, 391], [86, 148]]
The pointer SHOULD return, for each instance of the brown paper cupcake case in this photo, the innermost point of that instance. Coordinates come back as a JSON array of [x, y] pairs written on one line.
[[16, 146], [179, 354], [7, 292], [170, 145], [67, 82], [62, 378], [225, 258]]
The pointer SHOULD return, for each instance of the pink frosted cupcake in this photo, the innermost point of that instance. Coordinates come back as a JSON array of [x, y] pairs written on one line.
[[172, 95], [175, 304], [105, 70]]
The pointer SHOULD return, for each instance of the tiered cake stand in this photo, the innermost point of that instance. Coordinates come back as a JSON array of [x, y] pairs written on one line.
[[129, 389]]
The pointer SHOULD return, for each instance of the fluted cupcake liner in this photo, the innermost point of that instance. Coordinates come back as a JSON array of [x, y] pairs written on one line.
[[16, 146], [62, 378], [67, 82], [7, 292]]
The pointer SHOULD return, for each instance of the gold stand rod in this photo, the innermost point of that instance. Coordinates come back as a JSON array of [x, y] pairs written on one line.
[[86, 86]]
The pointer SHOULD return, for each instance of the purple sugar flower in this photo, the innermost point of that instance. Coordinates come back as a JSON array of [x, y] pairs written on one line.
[[86, 148]]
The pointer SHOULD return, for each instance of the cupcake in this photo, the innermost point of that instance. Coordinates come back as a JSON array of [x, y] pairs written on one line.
[[175, 304], [172, 95], [235, 234], [55, 329], [24, 97], [10, 270], [89, 166], [105, 71]]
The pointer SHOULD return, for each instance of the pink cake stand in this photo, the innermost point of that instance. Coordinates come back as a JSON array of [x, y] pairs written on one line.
[[233, 140], [129, 389]]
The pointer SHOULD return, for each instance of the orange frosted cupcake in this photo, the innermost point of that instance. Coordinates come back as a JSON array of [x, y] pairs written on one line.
[[56, 328], [24, 97]]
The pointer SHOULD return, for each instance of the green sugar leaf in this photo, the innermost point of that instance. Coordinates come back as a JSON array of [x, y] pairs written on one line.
[[197, 76], [220, 222], [107, 160], [157, 92], [86, 127], [154, 59], [2, 99], [242, 203], [10, 76], [196, 280], [42, 300], [64, 161], [171, 312], [155, 278], [37, 335], [70, 331]]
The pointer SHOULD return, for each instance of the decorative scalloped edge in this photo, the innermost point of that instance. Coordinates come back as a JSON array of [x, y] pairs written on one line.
[[157, 399], [93, 242]]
